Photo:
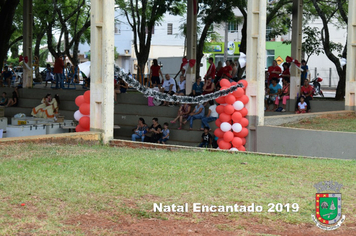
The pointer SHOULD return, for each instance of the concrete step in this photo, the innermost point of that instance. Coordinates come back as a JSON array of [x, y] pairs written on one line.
[[176, 135], [144, 110], [169, 142], [131, 120]]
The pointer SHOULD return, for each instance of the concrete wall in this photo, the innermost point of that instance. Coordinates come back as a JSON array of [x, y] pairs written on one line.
[[313, 143]]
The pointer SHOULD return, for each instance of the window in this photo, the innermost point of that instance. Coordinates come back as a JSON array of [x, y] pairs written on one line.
[[270, 57], [169, 29], [118, 28], [233, 27], [153, 30]]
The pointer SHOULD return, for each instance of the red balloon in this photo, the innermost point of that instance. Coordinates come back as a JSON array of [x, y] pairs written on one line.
[[79, 129], [85, 109], [230, 99], [218, 141], [229, 109], [225, 117], [244, 99], [236, 142], [243, 141], [220, 100], [239, 92], [241, 149], [244, 122], [243, 133], [243, 112], [87, 96], [220, 109], [236, 117], [218, 122], [233, 83], [228, 136], [244, 83], [84, 122], [224, 145], [219, 133], [79, 100], [225, 83]]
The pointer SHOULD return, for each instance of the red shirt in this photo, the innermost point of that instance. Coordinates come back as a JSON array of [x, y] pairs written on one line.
[[274, 75], [226, 70], [155, 70], [220, 72], [286, 72], [306, 90], [58, 66], [211, 71]]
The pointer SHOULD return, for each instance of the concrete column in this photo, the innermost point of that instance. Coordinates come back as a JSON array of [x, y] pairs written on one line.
[[27, 42], [296, 52], [191, 43], [255, 68], [102, 68], [350, 98]]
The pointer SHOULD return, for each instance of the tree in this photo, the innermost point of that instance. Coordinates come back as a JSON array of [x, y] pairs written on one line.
[[7, 13], [327, 13], [142, 16], [311, 42], [210, 12], [278, 17], [72, 18]]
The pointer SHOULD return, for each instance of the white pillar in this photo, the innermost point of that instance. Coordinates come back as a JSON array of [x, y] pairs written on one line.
[[27, 42], [296, 52], [350, 98], [191, 44], [102, 68], [255, 68]]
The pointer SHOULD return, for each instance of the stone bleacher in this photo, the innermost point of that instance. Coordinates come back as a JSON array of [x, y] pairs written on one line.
[[132, 106]]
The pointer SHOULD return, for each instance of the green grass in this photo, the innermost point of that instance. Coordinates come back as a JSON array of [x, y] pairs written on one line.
[[331, 122], [59, 182]]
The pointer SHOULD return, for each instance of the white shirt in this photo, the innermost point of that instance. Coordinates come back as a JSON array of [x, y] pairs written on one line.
[[302, 105], [167, 84], [213, 112], [182, 85]]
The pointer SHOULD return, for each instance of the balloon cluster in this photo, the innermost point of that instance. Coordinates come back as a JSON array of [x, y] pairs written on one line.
[[232, 123], [83, 114]]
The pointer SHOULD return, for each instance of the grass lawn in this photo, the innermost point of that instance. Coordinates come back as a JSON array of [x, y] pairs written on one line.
[[100, 190], [331, 122]]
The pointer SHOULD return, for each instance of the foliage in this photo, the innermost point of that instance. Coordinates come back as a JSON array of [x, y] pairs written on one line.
[[142, 16], [329, 14]]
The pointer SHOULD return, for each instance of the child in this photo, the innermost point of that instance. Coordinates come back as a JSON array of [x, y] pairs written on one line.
[[302, 106], [165, 134], [49, 75], [206, 138]]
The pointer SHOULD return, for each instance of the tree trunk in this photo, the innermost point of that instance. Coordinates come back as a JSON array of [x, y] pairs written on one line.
[[37, 50], [200, 47], [243, 44], [340, 90], [6, 17]]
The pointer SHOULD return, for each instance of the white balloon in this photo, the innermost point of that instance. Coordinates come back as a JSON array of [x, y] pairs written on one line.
[[234, 149], [78, 115], [236, 127], [225, 126], [238, 105]]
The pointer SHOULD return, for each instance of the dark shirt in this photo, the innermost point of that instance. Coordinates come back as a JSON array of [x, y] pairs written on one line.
[[206, 137]]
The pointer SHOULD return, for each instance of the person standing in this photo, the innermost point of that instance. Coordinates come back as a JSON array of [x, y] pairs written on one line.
[[58, 71], [305, 71], [211, 71], [273, 71], [155, 73], [6, 76]]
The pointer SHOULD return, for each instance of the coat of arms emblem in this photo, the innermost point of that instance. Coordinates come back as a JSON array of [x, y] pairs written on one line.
[[328, 205]]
